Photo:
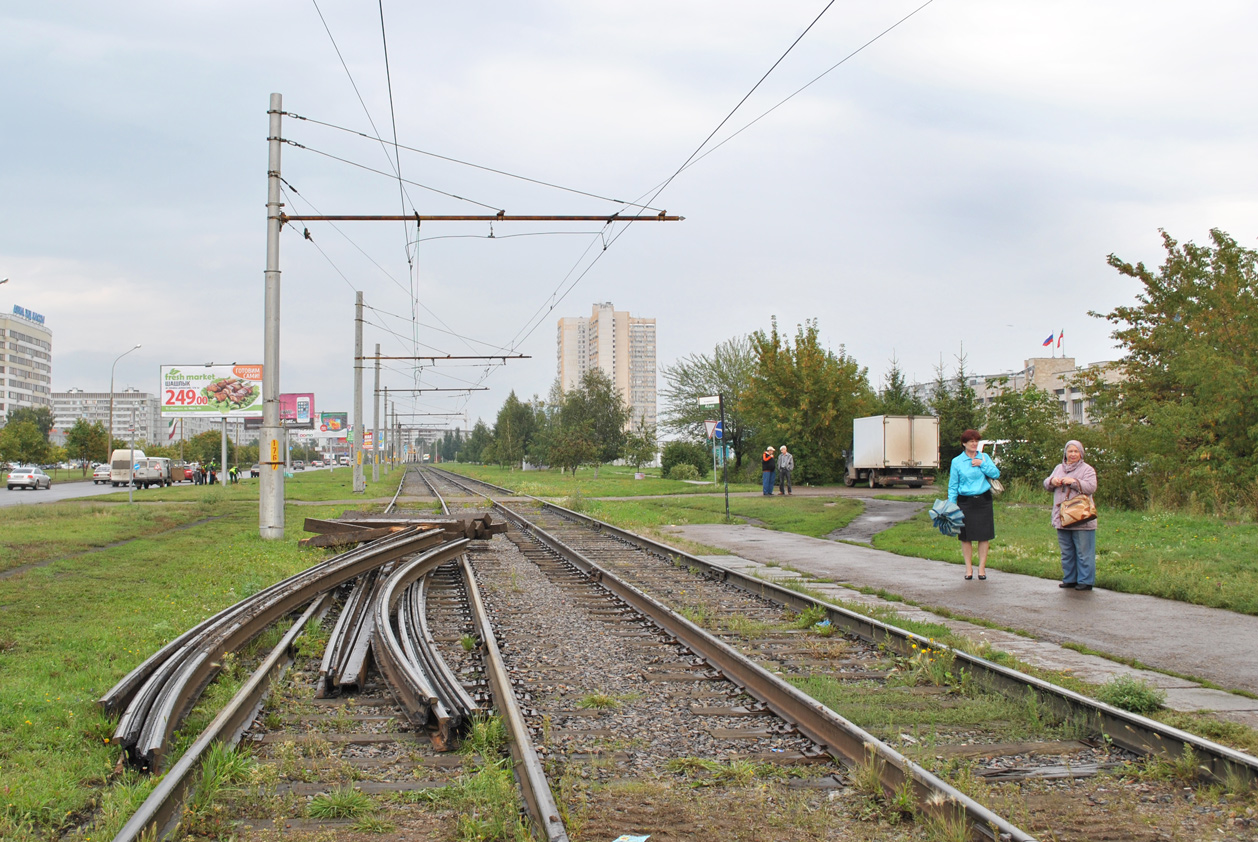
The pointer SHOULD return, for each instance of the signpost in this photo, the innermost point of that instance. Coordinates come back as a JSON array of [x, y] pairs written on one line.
[[717, 431]]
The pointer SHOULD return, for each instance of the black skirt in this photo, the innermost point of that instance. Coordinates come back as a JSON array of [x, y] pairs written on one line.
[[980, 523]]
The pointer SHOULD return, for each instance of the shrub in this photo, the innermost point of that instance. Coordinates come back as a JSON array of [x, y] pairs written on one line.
[[1133, 694], [685, 452], [683, 471]]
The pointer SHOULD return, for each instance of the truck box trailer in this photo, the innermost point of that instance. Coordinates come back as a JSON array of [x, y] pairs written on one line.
[[891, 449]]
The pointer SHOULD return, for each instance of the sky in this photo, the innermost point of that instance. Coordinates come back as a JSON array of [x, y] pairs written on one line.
[[952, 188]]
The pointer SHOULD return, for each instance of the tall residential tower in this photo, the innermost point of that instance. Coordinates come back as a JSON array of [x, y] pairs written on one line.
[[623, 346], [26, 364]]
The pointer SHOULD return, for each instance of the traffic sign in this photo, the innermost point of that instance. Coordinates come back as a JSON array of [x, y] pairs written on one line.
[[711, 400], [719, 431], [711, 426]]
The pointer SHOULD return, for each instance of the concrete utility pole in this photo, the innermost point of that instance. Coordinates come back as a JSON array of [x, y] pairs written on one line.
[[360, 483], [271, 484], [375, 423]]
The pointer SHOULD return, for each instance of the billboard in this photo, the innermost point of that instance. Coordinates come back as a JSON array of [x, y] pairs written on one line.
[[333, 422], [234, 391], [297, 411]]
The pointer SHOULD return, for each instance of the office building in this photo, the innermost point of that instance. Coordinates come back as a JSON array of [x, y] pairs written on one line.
[[622, 346], [26, 363]]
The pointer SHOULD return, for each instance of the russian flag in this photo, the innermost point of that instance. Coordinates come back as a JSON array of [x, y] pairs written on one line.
[[1049, 340]]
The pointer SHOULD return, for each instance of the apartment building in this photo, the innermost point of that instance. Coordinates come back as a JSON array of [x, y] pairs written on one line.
[[68, 407], [622, 346], [26, 362]]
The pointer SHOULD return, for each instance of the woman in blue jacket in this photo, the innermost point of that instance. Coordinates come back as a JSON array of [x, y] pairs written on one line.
[[970, 489]]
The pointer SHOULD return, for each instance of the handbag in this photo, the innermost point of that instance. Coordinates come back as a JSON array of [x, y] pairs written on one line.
[[1076, 510], [998, 487]]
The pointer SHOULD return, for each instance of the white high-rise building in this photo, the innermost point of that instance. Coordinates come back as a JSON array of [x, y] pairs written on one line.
[[623, 346], [26, 362]]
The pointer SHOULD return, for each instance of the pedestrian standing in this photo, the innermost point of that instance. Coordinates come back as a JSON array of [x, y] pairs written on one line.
[[786, 464], [1072, 478], [213, 473], [969, 486], [197, 476], [768, 466]]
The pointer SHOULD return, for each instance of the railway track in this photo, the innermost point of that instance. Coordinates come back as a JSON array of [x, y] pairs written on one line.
[[641, 691]]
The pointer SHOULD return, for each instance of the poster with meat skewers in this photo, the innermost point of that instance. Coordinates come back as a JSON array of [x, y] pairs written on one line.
[[234, 391]]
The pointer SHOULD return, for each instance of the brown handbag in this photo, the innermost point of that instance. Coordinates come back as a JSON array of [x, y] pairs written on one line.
[[1077, 510]]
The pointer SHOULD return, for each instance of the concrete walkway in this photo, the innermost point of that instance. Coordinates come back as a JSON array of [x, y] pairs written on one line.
[[1208, 643]]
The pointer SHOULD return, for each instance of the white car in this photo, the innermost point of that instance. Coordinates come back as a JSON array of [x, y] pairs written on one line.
[[32, 478], [101, 474]]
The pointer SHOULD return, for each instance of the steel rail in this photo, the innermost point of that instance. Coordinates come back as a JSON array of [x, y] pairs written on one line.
[[848, 743], [144, 732], [1128, 730], [428, 482], [159, 813], [447, 683], [397, 493], [412, 687], [528, 768], [334, 653]]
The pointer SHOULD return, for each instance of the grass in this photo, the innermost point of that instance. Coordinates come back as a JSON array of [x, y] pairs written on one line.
[[485, 797], [307, 486], [613, 481], [815, 516], [1189, 558], [1133, 694], [35, 534], [69, 630]]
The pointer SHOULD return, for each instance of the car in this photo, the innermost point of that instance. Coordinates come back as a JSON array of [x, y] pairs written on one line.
[[31, 478], [318, 463], [299, 465], [101, 474], [255, 471]]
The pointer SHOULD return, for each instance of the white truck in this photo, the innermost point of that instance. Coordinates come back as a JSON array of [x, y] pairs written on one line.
[[890, 449]]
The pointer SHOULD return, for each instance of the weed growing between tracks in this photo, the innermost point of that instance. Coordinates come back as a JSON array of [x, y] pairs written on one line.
[[71, 629]]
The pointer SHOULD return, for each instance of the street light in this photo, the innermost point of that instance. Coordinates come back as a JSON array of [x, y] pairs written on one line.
[[109, 436]]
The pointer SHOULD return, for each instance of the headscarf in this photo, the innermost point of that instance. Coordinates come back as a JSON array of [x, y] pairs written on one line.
[[1068, 468]]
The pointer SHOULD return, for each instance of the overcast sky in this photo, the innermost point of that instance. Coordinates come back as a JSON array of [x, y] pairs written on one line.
[[961, 180]]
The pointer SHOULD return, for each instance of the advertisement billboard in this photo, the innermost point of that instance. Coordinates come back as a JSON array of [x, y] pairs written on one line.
[[333, 422], [231, 390], [297, 411]]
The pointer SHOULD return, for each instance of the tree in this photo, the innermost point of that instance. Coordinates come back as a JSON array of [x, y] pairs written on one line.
[[480, 438], [686, 453], [23, 442], [1030, 422], [591, 422], [896, 398], [87, 441], [805, 395], [956, 404], [40, 416], [727, 372], [204, 447], [1187, 410], [513, 431], [641, 444]]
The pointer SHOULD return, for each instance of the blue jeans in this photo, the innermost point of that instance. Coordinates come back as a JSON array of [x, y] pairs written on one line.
[[1078, 555], [767, 479]]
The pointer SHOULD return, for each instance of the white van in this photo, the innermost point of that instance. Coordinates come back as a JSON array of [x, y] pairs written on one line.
[[121, 465], [154, 470]]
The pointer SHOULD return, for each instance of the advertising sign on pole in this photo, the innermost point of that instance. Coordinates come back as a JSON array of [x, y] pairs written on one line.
[[231, 391], [333, 422], [297, 411]]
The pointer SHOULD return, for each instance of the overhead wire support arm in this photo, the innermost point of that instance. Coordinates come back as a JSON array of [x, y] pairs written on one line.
[[503, 357], [501, 217], [443, 389]]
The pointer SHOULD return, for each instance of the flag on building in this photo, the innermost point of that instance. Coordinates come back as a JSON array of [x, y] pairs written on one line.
[[1059, 336], [171, 426], [1048, 341]]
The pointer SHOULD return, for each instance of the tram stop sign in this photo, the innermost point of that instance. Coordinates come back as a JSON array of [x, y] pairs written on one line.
[[719, 431]]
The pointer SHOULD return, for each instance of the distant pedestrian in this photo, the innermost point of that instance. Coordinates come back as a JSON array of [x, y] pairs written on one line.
[[213, 474], [1072, 478], [786, 464], [768, 466], [198, 478], [234, 474], [970, 488]]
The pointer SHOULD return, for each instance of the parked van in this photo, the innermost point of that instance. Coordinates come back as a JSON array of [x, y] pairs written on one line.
[[155, 470], [121, 464]]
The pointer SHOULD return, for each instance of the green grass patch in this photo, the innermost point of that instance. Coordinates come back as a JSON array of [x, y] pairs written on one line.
[[70, 629], [36, 534], [612, 481], [1190, 558], [307, 486], [814, 516]]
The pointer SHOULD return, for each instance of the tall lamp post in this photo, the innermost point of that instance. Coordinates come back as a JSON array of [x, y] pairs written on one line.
[[109, 435]]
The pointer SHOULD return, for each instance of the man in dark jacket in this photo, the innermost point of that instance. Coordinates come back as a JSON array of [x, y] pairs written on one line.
[[768, 466]]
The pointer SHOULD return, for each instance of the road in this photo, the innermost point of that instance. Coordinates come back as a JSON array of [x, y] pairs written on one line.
[[59, 491]]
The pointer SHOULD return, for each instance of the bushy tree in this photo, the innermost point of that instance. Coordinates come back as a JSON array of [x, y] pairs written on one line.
[[956, 404], [1187, 410], [40, 416], [479, 439], [641, 444], [685, 453], [513, 431], [805, 395], [727, 372], [87, 441], [895, 397], [23, 442], [591, 421], [1031, 423]]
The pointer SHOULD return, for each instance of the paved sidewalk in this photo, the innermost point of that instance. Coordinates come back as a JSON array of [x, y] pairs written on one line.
[[1207, 643]]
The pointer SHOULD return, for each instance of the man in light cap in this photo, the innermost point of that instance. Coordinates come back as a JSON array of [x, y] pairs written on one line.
[[768, 465], [786, 464]]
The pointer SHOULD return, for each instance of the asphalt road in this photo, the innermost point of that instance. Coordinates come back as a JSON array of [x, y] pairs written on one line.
[[59, 491]]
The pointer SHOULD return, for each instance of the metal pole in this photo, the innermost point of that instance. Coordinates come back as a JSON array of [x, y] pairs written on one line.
[[271, 484], [375, 423], [724, 456], [131, 487], [360, 483], [109, 438], [222, 465]]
